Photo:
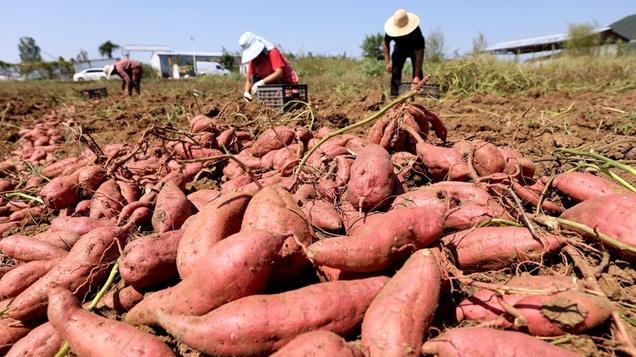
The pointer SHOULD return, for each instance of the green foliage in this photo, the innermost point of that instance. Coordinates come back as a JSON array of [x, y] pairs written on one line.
[[29, 50], [372, 67], [148, 71], [372, 46], [228, 61], [47, 70], [107, 48], [479, 44], [435, 46], [582, 41], [82, 56]]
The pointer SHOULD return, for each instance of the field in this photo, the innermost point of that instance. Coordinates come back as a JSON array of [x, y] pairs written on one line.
[[580, 103]]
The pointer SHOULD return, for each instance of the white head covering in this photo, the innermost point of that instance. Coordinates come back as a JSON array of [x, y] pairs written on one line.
[[108, 70], [401, 23], [253, 45]]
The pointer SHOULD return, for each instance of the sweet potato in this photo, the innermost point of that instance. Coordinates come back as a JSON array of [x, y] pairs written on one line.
[[493, 248], [79, 225], [11, 331], [219, 278], [79, 271], [372, 179], [57, 168], [613, 215], [581, 186], [90, 177], [22, 276], [319, 343], [107, 201], [264, 323], [271, 139], [61, 192], [487, 159], [121, 300], [128, 190], [171, 210], [442, 163], [401, 314], [393, 236], [42, 341], [274, 210], [150, 260], [219, 219], [201, 198], [564, 308], [323, 215], [29, 212], [5, 227], [483, 341], [63, 239], [517, 165], [89, 334], [27, 249]]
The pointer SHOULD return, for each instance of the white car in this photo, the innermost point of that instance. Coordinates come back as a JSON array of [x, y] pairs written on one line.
[[211, 68], [90, 74]]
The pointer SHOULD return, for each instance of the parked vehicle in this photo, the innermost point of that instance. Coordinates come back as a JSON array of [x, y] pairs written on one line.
[[211, 68], [90, 74]]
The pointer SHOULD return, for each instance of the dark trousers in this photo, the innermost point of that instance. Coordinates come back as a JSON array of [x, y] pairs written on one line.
[[137, 72], [398, 58]]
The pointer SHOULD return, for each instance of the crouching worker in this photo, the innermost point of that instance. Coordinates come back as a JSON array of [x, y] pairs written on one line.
[[129, 71], [266, 64]]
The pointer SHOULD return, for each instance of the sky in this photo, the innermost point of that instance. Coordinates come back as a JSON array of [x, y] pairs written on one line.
[[326, 27]]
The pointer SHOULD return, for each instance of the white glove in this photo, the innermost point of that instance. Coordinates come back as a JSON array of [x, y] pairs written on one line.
[[256, 85], [247, 96]]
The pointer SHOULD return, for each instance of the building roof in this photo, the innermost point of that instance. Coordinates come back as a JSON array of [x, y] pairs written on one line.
[[624, 29], [189, 53]]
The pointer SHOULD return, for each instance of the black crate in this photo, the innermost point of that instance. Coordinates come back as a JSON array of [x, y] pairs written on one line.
[[428, 90], [277, 95], [94, 93]]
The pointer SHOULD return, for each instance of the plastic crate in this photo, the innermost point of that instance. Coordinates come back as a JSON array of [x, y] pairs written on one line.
[[94, 93], [428, 90], [277, 95]]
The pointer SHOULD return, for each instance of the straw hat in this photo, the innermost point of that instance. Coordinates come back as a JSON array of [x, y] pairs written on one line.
[[108, 70], [401, 23], [252, 46]]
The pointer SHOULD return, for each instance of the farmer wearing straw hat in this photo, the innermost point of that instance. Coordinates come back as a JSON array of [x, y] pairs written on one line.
[[130, 72], [266, 64], [403, 28]]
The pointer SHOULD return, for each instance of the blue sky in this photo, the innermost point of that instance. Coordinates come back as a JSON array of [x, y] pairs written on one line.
[[62, 28]]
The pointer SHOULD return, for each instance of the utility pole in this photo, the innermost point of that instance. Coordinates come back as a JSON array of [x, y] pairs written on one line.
[[194, 59]]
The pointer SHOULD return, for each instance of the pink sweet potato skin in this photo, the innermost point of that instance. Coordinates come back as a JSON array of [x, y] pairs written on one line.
[[171, 210], [122, 299], [259, 324], [613, 215], [22, 276], [484, 306], [78, 271], [372, 179], [402, 312], [323, 215], [393, 236], [150, 260], [235, 267], [42, 341], [61, 192], [219, 219], [318, 343], [483, 341], [199, 199], [107, 201], [581, 186], [271, 139], [492, 248], [89, 334], [79, 225], [442, 163], [274, 210], [10, 332], [28, 249], [61, 239]]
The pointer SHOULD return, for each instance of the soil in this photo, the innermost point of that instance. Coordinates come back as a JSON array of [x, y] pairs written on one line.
[[534, 123]]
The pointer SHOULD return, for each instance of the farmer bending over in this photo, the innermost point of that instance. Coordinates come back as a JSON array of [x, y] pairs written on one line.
[[403, 28], [266, 64], [130, 72]]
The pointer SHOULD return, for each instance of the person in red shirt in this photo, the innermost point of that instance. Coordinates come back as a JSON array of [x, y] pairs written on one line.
[[266, 64], [130, 72]]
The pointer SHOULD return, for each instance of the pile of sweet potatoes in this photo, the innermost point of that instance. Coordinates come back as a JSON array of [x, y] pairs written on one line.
[[346, 255]]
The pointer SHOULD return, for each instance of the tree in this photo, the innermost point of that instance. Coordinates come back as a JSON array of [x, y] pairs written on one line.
[[435, 46], [227, 60], [372, 46], [479, 43], [29, 50], [582, 40], [82, 56], [107, 48]]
